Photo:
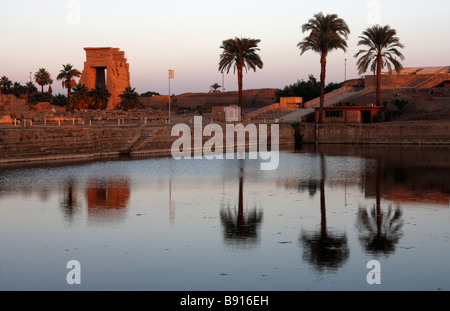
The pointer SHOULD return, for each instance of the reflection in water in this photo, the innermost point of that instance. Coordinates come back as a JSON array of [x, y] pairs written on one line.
[[379, 232], [69, 201], [324, 250], [107, 199], [241, 228]]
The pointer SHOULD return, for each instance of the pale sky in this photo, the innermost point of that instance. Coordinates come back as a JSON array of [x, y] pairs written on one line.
[[186, 36]]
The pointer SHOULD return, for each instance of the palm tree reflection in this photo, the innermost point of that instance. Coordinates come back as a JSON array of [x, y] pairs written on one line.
[[241, 227], [324, 250], [379, 232], [69, 200]]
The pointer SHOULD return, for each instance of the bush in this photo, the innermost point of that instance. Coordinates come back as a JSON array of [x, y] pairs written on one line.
[[41, 98]]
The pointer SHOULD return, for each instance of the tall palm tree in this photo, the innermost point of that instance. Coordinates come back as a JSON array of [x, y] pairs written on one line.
[[129, 99], [67, 75], [42, 77], [240, 53], [326, 33], [100, 97], [30, 89], [382, 51]]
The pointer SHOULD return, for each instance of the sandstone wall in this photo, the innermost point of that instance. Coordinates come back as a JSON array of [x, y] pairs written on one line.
[[9, 102]]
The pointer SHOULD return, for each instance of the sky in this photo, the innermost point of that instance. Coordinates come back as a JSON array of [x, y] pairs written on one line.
[[186, 36]]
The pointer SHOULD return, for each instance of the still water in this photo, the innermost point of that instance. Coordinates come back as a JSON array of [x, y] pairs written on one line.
[[161, 224]]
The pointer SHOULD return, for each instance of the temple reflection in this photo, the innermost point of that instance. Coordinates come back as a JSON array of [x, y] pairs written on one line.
[[241, 226], [325, 250], [107, 199]]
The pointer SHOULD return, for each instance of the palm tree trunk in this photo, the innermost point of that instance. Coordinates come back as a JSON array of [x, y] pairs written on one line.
[[69, 107], [323, 213], [240, 73], [323, 65], [378, 101]]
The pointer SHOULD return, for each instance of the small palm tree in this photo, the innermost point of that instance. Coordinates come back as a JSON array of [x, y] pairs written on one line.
[[100, 97], [240, 53], [42, 78], [18, 89], [129, 99], [326, 33], [215, 87], [80, 96], [59, 100], [67, 75], [382, 51], [30, 89], [5, 85]]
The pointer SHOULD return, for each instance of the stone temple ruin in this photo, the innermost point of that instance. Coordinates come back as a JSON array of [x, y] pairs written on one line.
[[106, 66]]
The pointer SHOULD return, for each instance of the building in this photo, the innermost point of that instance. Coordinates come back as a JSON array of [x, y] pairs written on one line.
[[226, 113], [348, 114], [291, 102], [107, 67]]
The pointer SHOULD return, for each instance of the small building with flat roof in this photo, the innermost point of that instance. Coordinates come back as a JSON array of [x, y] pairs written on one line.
[[348, 114]]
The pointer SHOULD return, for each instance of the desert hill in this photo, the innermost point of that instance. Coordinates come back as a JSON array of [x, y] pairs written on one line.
[[252, 99]]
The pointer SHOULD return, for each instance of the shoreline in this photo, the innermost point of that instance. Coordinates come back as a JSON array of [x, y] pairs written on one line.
[[27, 145]]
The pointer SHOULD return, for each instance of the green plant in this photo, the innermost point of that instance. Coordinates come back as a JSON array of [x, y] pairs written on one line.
[[40, 98], [59, 100]]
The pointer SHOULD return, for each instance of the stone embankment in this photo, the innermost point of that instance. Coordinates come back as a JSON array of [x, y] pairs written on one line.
[[43, 143], [400, 133], [29, 144]]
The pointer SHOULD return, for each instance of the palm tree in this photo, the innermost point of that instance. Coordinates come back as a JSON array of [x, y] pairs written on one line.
[[326, 33], [67, 75], [382, 50], [80, 95], [240, 53], [100, 97], [5, 85], [42, 77], [215, 87], [18, 89], [130, 99]]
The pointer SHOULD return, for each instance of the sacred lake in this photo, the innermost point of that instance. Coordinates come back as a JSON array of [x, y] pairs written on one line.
[[159, 224]]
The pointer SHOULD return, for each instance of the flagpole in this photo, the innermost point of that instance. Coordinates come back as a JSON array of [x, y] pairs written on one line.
[[169, 95]]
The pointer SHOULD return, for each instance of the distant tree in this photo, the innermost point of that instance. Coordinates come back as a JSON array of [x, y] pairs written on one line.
[[80, 97], [99, 97], [40, 98], [67, 75], [129, 99], [42, 78], [326, 33], [149, 94], [308, 90], [30, 89], [240, 53], [382, 51], [5, 85], [215, 87], [59, 100], [18, 89]]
